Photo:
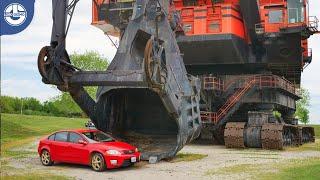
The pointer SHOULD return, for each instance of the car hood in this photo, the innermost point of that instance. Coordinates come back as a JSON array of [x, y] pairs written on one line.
[[116, 145]]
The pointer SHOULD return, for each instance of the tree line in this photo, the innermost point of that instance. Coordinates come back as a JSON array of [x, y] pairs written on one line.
[[63, 104], [32, 106]]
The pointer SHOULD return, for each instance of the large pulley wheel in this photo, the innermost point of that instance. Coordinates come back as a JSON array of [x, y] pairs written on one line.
[[44, 61], [51, 72], [154, 59]]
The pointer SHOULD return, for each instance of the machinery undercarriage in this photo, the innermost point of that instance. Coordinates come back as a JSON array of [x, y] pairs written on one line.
[[245, 117], [189, 66]]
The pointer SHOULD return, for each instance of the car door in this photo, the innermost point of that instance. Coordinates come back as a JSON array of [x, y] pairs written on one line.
[[79, 153], [50, 144], [59, 146]]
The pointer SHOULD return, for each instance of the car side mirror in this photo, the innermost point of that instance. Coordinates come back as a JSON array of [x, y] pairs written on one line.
[[82, 142]]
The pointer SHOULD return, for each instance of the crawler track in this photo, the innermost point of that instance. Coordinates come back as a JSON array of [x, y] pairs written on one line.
[[270, 135], [233, 135]]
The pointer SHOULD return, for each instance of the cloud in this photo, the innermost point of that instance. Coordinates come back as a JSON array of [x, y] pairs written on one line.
[[28, 88], [25, 46]]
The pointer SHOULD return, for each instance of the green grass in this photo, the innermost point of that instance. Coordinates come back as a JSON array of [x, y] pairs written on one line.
[[188, 157], [317, 130], [8, 172], [309, 146], [17, 130], [33, 176], [236, 169], [306, 147], [303, 169]]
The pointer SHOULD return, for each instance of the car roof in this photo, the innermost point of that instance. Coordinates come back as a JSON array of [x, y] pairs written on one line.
[[78, 130], [85, 130]]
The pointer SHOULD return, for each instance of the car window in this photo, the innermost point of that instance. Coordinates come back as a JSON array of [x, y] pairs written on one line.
[[99, 136], [74, 137], [51, 138], [61, 136], [88, 135]]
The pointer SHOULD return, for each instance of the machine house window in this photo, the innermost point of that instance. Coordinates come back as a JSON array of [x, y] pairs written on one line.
[[275, 16], [295, 11]]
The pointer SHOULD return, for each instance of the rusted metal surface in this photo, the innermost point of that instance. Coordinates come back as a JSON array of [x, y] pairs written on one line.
[[271, 136], [43, 61], [234, 135], [267, 136]]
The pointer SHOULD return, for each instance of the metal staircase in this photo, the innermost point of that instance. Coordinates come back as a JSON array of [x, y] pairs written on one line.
[[226, 107], [233, 102]]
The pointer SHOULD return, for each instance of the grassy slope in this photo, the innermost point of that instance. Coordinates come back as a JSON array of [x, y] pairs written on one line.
[[20, 129], [17, 130]]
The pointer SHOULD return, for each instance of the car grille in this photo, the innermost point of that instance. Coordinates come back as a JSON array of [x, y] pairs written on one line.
[[126, 163], [128, 151]]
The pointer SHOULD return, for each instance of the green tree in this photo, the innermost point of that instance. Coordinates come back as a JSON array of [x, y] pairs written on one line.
[[302, 106], [89, 61], [7, 104]]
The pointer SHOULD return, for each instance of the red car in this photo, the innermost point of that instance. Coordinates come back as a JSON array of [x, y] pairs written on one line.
[[88, 147]]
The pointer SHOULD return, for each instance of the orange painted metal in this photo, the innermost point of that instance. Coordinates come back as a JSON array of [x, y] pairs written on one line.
[[223, 17], [206, 19]]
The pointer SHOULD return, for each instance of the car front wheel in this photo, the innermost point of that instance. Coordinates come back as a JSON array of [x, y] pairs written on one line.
[[46, 158], [97, 162]]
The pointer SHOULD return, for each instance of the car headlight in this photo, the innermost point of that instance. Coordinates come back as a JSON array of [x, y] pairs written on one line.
[[113, 152], [136, 150]]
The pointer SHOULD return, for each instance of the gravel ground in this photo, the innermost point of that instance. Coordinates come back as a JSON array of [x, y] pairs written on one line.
[[219, 158]]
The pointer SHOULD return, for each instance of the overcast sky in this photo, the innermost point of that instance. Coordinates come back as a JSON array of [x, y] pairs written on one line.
[[19, 73]]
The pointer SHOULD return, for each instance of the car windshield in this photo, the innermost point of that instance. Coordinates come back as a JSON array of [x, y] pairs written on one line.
[[99, 136]]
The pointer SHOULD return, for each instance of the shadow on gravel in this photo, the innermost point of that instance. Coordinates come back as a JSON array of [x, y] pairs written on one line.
[[86, 167]]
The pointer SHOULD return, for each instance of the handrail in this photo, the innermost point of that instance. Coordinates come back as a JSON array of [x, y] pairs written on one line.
[[262, 81], [216, 83], [313, 22], [309, 52]]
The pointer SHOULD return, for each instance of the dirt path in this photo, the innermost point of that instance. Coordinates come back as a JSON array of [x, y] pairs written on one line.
[[218, 159]]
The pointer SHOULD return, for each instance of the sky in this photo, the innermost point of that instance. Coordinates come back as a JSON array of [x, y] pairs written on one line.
[[19, 72]]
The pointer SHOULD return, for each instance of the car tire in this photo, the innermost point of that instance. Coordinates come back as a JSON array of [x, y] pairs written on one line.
[[45, 158], [97, 162]]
